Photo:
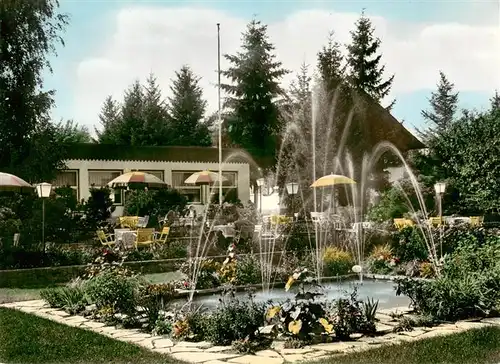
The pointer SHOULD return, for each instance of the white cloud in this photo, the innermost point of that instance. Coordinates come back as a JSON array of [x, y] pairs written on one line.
[[161, 40]]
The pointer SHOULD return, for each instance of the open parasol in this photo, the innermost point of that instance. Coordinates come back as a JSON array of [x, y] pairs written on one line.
[[137, 180], [9, 182], [332, 180], [206, 177]]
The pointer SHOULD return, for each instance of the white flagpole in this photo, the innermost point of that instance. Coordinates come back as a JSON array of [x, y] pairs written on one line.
[[219, 115]]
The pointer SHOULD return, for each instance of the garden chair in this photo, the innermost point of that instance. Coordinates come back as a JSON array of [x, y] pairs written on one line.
[[106, 239], [142, 222], [401, 223], [436, 221], [163, 235], [145, 237], [476, 220], [129, 221]]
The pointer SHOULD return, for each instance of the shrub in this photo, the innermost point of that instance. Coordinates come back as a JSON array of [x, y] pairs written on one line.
[[208, 273], [70, 298], [346, 316], [108, 289], [381, 260], [408, 244], [154, 298], [248, 270], [337, 262], [233, 320]]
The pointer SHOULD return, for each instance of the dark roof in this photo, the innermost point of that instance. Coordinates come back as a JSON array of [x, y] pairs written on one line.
[[385, 127], [176, 154]]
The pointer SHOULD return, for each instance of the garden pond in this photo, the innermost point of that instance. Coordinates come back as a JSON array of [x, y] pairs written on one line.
[[381, 290]]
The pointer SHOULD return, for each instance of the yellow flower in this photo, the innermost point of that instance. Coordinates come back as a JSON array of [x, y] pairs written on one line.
[[273, 311], [289, 283], [295, 326], [327, 326]]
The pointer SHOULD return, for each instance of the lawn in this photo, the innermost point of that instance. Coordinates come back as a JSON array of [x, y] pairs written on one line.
[[50, 342], [478, 346]]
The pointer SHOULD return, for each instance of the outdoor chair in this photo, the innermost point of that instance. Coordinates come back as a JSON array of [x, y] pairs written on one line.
[[163, 235], [400, 224], [143, 222], [476, 220], [129, 221], [436, 221], [145, 237], [106, 239]]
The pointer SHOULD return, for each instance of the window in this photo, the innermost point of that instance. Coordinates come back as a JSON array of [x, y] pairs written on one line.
[[67, 179], [99, 179], [158, 174], [193, 192]]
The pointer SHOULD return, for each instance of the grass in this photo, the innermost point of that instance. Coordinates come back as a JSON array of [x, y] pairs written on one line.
[[18, 294], [478, 346], [28, 339], [50, 342]]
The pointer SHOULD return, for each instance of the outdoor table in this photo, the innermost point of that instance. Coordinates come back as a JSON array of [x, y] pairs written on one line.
[[125, 238], [227, 231]]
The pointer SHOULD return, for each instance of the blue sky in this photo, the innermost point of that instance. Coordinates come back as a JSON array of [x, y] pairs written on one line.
[[93, 22]]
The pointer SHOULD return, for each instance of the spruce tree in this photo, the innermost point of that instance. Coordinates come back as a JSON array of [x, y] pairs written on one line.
[[363, 59], [109, 119], [130, 130], [495, 101], [187, 110], [331, 66], [156, 121], [444, 104], [254, 87]]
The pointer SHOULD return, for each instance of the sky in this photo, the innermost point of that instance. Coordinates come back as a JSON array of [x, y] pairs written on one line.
[[110, 44]]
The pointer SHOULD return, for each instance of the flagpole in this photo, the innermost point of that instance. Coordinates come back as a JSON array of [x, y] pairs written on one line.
[[219, 114]]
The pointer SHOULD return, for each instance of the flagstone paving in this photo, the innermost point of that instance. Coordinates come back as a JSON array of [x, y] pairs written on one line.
[[205, 352]]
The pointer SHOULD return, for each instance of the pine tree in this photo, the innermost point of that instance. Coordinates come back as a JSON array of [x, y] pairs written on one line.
[[495, 101], [365, 71], [330, 64], [187, 110], [254, 74], [130, 130], [110, 119], [444, 103], [156, 121]]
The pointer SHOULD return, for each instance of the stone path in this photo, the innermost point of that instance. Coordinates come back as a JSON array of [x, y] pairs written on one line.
[[204, 352]]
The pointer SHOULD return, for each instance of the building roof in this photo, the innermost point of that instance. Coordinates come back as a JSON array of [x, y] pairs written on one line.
[[93, 151]]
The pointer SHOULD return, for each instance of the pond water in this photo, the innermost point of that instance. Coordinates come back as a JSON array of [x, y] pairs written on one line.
[[383, 291]]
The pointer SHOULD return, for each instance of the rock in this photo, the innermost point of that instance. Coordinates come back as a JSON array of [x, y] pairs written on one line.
[[189, 344], [296, 351], [267, 330], [218, 349], [338, 347], [200, 357], [253, 359], [180, 349], [60, 313], [315, 354], [90, 308], [414, 333], [356, 336], [268, 354], [76, 319], [492, 320], [163, 343], [294, 358], [94, 324], [382, 328]]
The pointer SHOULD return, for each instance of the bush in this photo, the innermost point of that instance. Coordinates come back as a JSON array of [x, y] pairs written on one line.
[[408, 244], [248, 270], [208, 273], [382, 260], [347, 316], [469, 284], [154, 298], [337, 261], [234, 320], [109, 290], [70, 298]]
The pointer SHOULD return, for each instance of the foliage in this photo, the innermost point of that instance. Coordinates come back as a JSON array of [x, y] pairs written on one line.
[[468, 286], [248, 270], [427, 270], [444, 104], [382, 260], [234, 319], [253, 122], [207, 275], [72, 133], [163, 326], [370, 307], [154, 203], [108, 289], [365, 71], [408, 244], [347, 317], [98, 207], [187, 109], [154, 298], [337, 261], [299, 239], [302, 317], [28, 142], [70, 298]]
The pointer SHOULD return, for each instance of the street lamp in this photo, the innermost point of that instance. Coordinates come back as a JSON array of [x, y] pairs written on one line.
[[43, 191], [440, 188], [292, 188], [260, 184]]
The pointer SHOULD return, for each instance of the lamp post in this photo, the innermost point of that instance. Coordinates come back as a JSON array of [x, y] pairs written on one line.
[[43, 191], [260, 184], [440, 188], [292, 188]]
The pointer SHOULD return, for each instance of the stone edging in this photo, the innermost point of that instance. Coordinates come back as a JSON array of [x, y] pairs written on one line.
[[204, 352]]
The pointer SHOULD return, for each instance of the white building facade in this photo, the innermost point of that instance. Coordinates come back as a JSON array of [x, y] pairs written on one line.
[[86, 170]]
